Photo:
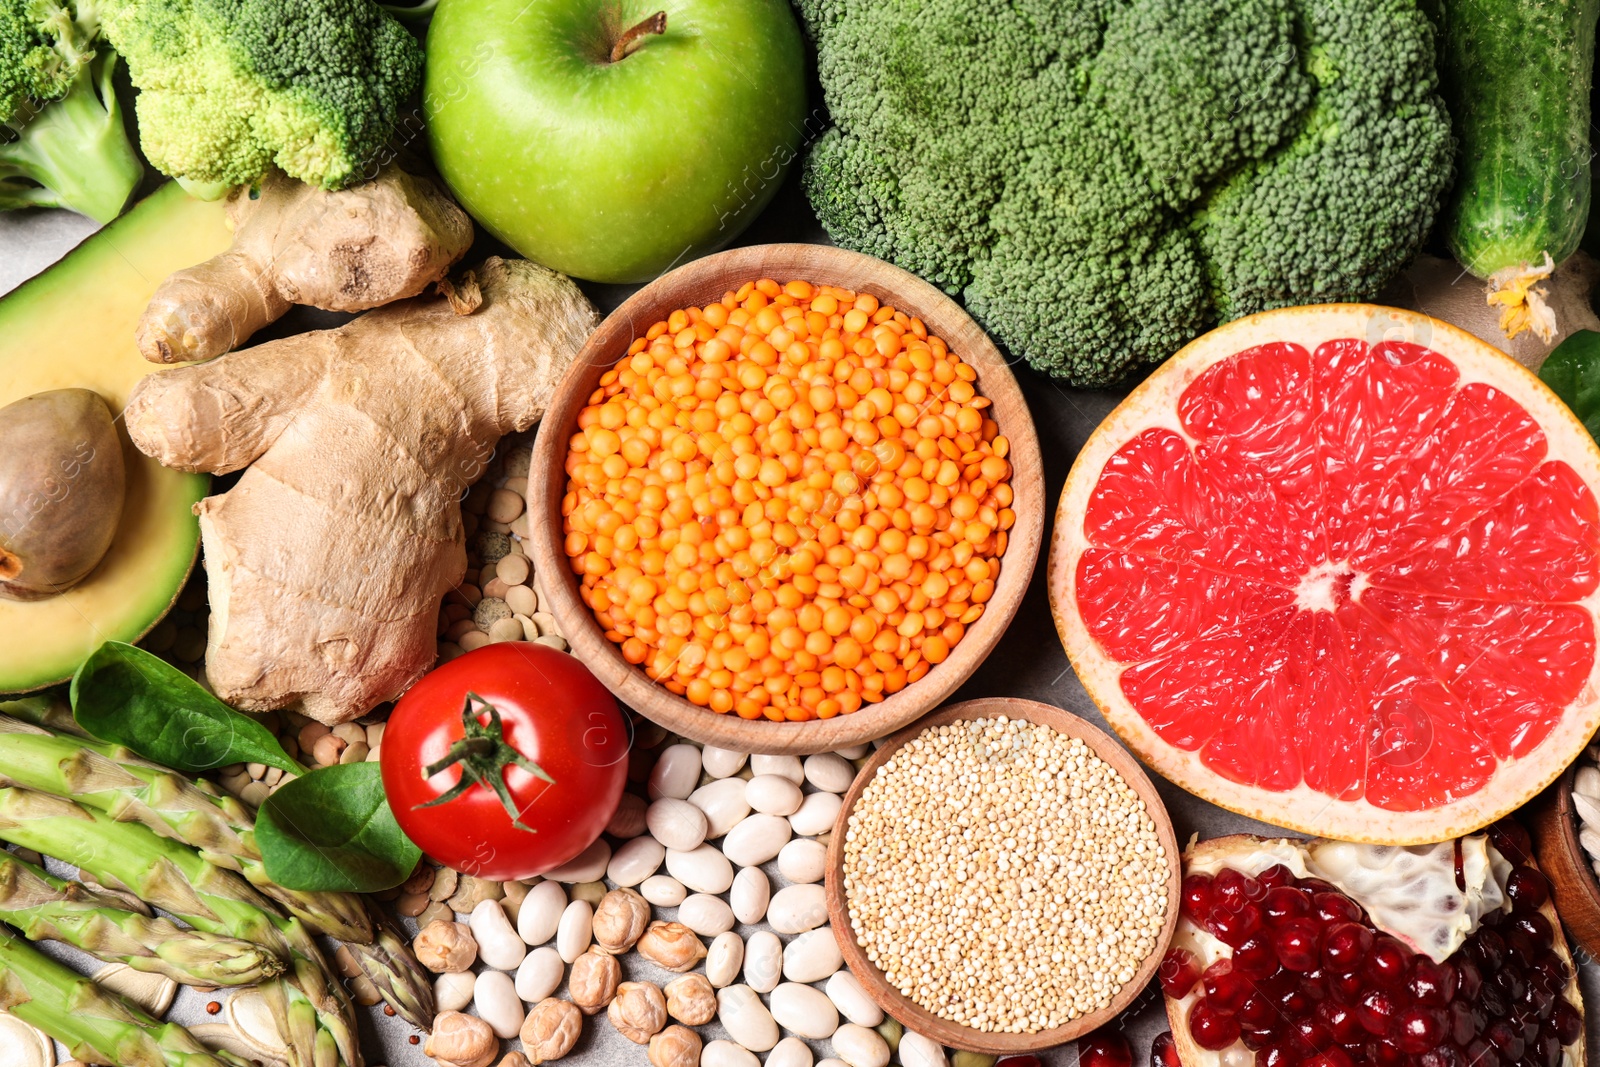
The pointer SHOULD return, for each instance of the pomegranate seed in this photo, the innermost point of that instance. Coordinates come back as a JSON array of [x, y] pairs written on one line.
[[1210, 1028], [1550, 972], [1345, 947], [1539, 1002], [1313, 1035], [1506, 1039], [1104, 1048], [1387, 963], [1232, 890], [1566, 1022], [1333, 908], [1295, 1004], [1258, 1013], [1384, 1054], [1334, 1057], [1463, 1022], [1278, 1056], [1317, 885], [1346, 988], [1341, 1021], [1443, 1056], [1511, 840], [1297, 945], [1469, 980], [1163, 1052], [1544, 1050], [1418, 1029], [1234, 928], [1431, 984], [1537, 927], [1482, 1054], [1276, 876], [1178, 973], [1196, 894], [1488, 950], [1528, 889], [1225, 989], [1255, 959], [1283, 903], [1376, 1010]]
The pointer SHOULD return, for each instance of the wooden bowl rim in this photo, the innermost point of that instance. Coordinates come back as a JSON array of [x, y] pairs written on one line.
[[1574, 889], [700, 282], [919, 1019]]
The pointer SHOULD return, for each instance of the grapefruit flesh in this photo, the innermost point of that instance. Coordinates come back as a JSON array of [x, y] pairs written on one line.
[[1344, 583]]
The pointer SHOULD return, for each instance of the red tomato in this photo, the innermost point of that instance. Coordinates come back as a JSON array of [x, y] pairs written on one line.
[[560, 752]]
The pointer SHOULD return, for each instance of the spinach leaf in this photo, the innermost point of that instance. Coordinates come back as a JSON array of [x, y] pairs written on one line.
[[333, 830], [127, 696], [1573, 373]]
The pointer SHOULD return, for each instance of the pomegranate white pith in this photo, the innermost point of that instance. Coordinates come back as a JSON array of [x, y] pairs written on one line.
[[1325, 587], [1253, 856]]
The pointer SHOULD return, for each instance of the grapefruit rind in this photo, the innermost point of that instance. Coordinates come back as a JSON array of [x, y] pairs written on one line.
[[1217, 853], [1154, 404]]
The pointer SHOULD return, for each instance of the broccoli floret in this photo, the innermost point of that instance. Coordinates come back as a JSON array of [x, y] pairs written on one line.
[[228, 88], [1104, 179], [62, 139]]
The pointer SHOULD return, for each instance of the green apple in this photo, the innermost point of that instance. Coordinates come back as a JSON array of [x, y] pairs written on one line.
[[598, 138]]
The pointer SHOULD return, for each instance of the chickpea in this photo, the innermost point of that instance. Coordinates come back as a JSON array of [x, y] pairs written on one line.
[[446, 947]]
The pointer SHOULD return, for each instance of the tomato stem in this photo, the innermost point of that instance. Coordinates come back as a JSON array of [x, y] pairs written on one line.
[[483, 753]]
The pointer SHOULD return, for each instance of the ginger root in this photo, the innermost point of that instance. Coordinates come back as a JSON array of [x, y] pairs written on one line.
[[360, 248], [327, 560]]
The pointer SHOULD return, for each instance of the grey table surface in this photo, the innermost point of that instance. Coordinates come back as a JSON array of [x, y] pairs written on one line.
[[1028, 662]]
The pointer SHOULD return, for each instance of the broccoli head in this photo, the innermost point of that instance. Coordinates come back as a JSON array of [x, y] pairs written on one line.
[[1102, 180], [62, 139], [228, 88]]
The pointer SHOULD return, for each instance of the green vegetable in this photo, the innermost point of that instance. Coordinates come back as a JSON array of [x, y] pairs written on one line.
[[45, 908], [109, 778], [891, 1031], [1102, 181], [1516, 76], [309, 1005], [228, 88], [333, 829], [95, 1025], [62, 141], [1572, 371], [126, 695]]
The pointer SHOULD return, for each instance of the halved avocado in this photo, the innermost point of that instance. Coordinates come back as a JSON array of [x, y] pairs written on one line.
[[72, 326]]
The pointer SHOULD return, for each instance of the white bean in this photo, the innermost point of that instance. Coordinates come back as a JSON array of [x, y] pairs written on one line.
[[853, 752], [831, 1062], [763, 961], [750, 894], [812, 956], [798, 908], [677, 824], [587, 866], [844, 989], [575, 931], [722, 762], [495, 999], [804, 1011], [918, 1051], [663, 890], [540, 974], [1588, 809], [635, 861], [860, 1047], [452, 992], [704, 870], [803, 860], [746, 1019], [773, 794], [829, 773], [790, 1052], [724, 958], [676, 771], [788, 766], [724, 804], [817, 814], [756, 840], [540, 915], [706, 915], [499, 946], [727, 1054]]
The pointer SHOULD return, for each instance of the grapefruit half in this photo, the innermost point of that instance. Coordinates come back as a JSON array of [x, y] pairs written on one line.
[[1335, 568]]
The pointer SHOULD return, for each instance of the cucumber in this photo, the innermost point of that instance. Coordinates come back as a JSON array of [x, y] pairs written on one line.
[[1516, 77]]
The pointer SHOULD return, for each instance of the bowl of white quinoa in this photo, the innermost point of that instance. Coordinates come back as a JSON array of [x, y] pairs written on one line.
[[1003, 877]]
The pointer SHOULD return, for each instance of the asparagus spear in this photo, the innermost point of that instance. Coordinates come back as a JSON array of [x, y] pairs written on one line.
[[312, 1010], [128, 788], [114, 780], [95, 1025], [45, 908]]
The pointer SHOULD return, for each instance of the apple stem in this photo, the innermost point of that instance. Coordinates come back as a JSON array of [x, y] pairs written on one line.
[[656, 23]]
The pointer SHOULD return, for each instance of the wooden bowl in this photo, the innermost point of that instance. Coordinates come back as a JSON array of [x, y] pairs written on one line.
[[700, 283], [913, 1015], [1553, 824]]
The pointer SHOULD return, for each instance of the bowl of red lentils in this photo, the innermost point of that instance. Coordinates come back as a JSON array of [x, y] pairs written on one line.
[[791, 498]]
